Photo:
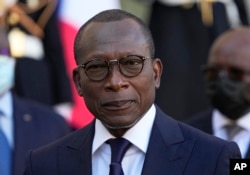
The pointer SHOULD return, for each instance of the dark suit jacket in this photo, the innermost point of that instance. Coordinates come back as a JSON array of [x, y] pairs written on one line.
[[203, 121], [34, 126], [174, 148]]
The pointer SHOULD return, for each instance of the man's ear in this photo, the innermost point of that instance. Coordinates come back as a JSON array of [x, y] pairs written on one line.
[[77, 81], [158, 68]]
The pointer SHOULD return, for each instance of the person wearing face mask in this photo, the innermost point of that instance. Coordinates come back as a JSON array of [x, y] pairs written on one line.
[[227, 77], [24, 124]]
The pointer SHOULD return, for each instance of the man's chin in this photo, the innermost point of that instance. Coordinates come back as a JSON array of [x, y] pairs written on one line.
[[121, 126]]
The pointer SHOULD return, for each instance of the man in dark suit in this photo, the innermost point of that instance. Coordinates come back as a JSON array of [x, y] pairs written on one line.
[[227, 76], [117, 75], [25, 124]]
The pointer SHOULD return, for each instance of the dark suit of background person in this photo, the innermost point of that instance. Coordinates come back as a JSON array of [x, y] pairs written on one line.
[[182, 39], [33, 124], [40, 69], [231, 50], [123, 105]]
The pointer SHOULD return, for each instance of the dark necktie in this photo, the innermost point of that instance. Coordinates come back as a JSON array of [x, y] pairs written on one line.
[[119, 146], [5, 153], [232, 130]]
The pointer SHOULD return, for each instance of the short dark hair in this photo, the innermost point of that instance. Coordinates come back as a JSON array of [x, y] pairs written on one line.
[[114, 15]]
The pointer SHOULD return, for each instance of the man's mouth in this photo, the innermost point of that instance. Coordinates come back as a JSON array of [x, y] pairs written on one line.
[[118, 104]]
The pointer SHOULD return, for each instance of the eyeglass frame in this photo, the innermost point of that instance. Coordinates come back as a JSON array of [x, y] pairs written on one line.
[[109, 64]]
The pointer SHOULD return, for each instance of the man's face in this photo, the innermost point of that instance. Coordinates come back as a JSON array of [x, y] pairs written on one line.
[[233, 55], [118, 101]]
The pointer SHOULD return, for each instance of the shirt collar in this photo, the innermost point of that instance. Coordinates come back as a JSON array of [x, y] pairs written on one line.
[[219, 120], [138, 139]]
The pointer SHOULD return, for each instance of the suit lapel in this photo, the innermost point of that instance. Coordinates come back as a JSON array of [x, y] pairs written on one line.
[[76, 156], [168, 151]]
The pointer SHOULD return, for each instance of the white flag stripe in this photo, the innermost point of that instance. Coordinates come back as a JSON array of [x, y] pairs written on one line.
[[77, 12]]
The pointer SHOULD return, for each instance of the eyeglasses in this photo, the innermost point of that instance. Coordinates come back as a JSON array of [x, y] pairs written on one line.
[[233, 73], [129, 66]]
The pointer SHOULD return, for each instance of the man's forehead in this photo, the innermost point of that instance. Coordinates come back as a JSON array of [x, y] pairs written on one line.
[[115, 38], [115, 32], [113, 28], [237, 56]]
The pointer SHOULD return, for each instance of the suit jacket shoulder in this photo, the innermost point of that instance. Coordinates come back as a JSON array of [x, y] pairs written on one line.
[[34, 125], [202, 121], [39, 115], [68, 155]]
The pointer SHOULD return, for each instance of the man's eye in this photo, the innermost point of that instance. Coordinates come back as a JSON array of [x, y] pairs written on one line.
[[132, 61], [96, 66]]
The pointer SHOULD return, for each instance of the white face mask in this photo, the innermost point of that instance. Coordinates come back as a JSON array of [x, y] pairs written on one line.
[[7, 69]]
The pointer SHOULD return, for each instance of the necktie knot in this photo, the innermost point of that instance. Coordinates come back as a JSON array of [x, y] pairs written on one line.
[[232, 130], [119, 146]]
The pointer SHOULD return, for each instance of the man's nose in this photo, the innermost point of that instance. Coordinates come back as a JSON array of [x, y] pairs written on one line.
[[115, 80]]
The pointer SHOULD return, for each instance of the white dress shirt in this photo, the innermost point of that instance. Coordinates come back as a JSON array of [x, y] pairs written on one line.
[[133, 160], [219, 121], [6, 121]]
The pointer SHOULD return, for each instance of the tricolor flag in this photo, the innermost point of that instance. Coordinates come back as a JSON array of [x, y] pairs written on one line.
[[73, 13]]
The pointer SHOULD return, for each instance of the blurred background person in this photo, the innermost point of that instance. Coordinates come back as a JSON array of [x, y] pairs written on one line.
[[183, 31], [227, 77], [24, 124], [35, 41]]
